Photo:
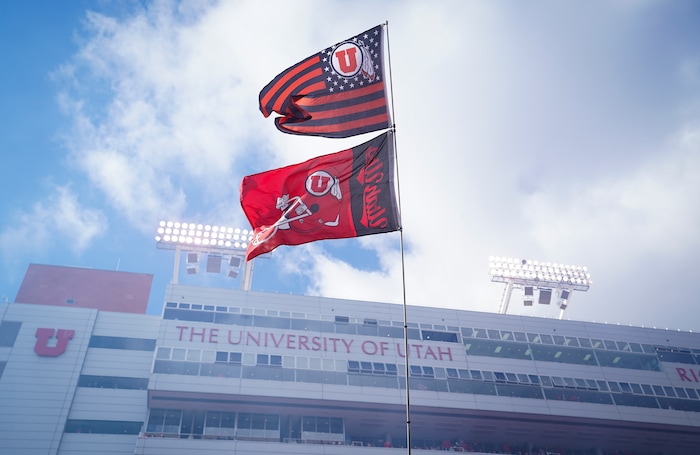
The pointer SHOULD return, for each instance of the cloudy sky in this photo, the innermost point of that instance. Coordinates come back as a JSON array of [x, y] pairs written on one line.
[[548, 130]]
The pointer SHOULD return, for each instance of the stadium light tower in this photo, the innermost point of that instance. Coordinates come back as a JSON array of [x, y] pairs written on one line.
[[221, 244], [546, 277]]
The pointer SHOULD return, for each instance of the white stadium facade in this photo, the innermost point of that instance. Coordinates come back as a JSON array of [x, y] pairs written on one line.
[[84, 370]]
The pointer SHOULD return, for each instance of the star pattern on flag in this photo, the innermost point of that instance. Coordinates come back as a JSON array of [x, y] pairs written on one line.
[[335, 81]]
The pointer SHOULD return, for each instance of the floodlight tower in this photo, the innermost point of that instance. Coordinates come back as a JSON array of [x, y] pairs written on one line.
[[545, 277], [219, 243]]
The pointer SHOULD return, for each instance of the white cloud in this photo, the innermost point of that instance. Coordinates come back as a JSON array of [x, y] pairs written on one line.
[[58, 219], [520, 133]]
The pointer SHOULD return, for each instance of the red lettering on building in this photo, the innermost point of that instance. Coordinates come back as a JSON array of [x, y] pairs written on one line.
[[275, 341], [43, 336], [382, 348], [683, 374], [369, 347], [345, 342], [194, 333], [251, 337], [448, 352], [240, 337]]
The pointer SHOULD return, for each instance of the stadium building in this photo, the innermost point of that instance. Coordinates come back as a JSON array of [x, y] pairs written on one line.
[[84, 369]]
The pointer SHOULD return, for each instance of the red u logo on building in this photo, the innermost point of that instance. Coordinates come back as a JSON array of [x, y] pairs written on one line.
[[43, 336]]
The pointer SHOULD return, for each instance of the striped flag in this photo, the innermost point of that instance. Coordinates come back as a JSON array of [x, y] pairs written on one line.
[[339, 92]]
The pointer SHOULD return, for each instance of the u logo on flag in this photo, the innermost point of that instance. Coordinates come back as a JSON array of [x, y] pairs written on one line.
[[345, 59]]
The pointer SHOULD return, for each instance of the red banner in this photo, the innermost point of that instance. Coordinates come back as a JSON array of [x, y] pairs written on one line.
[[345, 194]]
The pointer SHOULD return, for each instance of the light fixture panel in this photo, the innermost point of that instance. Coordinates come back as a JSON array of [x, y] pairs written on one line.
[[545, 296]]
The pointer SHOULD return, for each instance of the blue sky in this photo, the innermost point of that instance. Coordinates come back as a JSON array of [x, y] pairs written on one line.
[[557, 131]]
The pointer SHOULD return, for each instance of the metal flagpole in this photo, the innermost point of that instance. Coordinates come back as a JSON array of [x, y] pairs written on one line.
[[403, 263]]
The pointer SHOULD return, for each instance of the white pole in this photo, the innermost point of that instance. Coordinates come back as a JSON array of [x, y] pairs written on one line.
[[247, 277], [506, 298], [176, 267]]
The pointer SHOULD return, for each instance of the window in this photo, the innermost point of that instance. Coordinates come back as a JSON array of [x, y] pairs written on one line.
[[103, 426], [533, 338], [233, 358], [520, 336], [547, 339], [269, 360], [332, 425], [609, 344], [112, 382], [8, 333], [439, 336], [258, 421], [178, 354], [164, 421], [220, 424], [571, 341], [584, 342], [132, 344]]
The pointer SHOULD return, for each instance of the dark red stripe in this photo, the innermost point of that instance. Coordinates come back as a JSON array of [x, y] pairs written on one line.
[[349, 110], [282, 79], [342, 96], [336, 127]]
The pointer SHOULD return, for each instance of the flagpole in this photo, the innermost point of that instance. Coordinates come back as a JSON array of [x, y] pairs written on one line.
[[403, 261]]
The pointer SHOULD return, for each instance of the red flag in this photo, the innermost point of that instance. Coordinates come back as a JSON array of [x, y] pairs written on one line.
[[339, 92], [341, 195]]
